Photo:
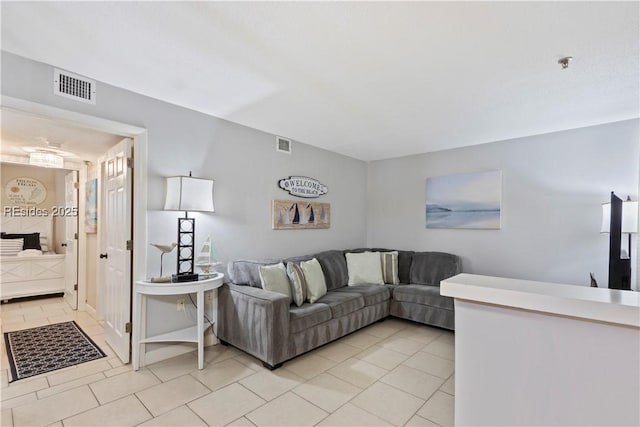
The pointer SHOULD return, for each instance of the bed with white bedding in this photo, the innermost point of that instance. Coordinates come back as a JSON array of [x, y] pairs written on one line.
[[29, 272]]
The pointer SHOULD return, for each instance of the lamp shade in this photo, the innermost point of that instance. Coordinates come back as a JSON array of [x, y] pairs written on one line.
[[187, 193], [629, 217]]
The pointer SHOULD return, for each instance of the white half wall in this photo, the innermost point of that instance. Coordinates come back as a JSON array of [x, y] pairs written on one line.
[[552, 189]]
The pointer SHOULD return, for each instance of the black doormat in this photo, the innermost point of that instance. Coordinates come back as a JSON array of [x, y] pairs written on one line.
[[47, 348]]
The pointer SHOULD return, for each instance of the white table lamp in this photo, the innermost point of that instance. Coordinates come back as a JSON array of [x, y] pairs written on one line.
[[187, 193]]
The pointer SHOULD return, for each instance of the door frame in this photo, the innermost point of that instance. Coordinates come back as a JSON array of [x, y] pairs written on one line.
[[139, 137]]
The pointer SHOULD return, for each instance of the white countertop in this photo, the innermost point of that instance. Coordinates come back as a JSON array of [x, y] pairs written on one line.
[[599, 304]]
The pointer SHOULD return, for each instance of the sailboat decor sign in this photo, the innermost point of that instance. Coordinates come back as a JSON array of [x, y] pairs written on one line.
[[295, 215], [303, 186]]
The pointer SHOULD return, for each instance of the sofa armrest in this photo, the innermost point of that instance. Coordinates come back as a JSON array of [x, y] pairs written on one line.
[[254, 320]]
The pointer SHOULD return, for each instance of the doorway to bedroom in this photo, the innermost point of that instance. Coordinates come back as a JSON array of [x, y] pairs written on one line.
[[91, 156]]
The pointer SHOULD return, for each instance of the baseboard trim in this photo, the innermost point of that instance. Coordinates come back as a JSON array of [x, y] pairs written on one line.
[[91, 311]]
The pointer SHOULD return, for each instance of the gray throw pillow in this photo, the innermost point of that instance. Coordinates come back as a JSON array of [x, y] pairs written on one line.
[[316, 285], [274, 278], [298, 283]]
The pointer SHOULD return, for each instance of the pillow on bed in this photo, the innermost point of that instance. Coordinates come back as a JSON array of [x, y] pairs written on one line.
[[10, 247], [29, 252], [44, 244], [31, 240]]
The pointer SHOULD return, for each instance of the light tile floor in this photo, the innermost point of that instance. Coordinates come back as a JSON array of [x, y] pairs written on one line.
[[394, 372]]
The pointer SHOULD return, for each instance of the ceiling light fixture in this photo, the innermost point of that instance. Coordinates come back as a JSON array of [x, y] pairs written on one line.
[[565, 61], [45, 159]]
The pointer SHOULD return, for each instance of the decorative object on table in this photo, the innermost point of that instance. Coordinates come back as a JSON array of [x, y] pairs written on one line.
[[292, 215], [618, 218], [594, 283], [303, 186], [471, 201], [184, 277], [25, 191], [91, 206], [165, 249], [208, 257], [187, 193], [47, 348]]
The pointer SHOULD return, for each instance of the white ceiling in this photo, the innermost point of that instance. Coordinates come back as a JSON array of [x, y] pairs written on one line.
[[370, 80], [20, 130]]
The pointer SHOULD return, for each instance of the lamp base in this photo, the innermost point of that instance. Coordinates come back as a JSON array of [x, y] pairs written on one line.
[[186, 233]]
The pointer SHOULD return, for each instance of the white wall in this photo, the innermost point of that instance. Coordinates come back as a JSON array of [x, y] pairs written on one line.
[[242, 161], [552, 188]]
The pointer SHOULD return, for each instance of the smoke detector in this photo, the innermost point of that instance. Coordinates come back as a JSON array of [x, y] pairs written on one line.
[[564, 62]]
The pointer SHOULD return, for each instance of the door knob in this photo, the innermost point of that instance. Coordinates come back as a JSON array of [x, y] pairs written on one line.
[[64, 245], [104, 256]]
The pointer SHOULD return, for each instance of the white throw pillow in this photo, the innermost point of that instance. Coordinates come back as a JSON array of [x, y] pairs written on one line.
[[298, 283], [274, 278], [313, 275], [364, 268]]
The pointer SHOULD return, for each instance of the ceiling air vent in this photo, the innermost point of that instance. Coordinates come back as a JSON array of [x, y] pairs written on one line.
[[283, 145], [73, 86]]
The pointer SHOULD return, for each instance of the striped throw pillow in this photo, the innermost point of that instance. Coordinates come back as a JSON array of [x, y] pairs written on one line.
[[298, 283], [389, 261], [10, 247]]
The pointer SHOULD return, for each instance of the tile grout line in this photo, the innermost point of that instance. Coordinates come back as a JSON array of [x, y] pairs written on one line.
[[332, 362], [135, 395]]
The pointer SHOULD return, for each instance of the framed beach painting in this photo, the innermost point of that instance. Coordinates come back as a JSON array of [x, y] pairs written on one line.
[[471, 201], [294, 215], [91, 206]]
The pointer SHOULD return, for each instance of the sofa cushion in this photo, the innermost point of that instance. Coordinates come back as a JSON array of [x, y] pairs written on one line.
[[314, 278], [274, 278], [245, 272], [405, 259], [421, 294], [307, 316], [429, 268], [334, 266], [360, 250], [297, 259], [342, 303], [372, 294], [364, 268]]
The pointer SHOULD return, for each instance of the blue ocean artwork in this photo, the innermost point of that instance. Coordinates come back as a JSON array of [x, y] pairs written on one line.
[[471, 201]]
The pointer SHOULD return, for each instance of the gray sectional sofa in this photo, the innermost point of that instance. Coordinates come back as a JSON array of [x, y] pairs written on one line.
[[265, 325]]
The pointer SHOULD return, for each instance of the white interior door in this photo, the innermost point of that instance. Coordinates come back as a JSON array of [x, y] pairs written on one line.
[[71, 239], [115, 255]]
